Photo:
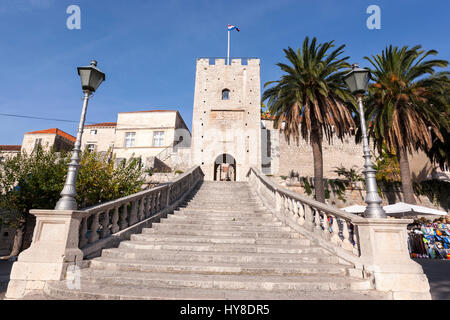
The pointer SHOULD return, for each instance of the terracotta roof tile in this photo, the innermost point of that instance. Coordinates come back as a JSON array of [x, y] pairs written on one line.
[[10, 148], [102, 124], [57, 132]]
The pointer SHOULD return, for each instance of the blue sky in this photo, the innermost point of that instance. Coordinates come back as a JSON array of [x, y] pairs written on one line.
[[148, 48]]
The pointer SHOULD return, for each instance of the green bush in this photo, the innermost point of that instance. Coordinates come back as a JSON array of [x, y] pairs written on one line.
[[35, 181]]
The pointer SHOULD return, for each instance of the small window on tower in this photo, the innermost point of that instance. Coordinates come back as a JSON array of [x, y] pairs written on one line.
[[225, 94]]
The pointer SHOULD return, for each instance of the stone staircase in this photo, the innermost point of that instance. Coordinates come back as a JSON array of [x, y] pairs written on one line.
[[221, 244]]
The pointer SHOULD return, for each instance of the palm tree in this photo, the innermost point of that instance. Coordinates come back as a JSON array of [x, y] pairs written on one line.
[[406, 104], [312, 100]]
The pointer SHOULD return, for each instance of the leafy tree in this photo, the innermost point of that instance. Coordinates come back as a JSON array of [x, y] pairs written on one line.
[[35, 181], [312, 99], [406, 103]]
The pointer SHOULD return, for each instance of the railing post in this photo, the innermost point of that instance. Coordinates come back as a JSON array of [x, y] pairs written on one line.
[[384, 253], [54, 247]]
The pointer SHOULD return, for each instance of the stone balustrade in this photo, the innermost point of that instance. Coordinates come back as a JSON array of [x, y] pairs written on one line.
[[65, 237], [376, 247]]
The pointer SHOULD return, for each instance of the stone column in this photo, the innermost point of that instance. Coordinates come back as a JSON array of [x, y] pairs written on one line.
[[384, 254], [54, 248]]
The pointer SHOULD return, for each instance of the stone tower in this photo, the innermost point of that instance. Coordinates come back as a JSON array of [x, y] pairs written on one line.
[[226, 124]]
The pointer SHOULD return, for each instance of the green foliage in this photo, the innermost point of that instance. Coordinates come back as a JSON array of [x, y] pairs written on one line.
[[387, 166], [179, 171], [30, 181], [438, 191], [350, 175], [35, 181], [283, 177], [339, 186], [308, 187]]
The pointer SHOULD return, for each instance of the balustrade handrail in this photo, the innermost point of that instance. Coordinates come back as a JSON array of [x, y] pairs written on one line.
[[103, 220], [311, 202], [131, 197]]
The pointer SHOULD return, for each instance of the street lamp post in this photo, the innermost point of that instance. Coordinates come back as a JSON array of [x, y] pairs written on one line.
[[91, 78], [357, 81]]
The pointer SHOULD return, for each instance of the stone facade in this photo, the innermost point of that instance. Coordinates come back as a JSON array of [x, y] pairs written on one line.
[[54, 137], [149, 134], [281, 156], [226, 118], [99, 137], [7, 151]]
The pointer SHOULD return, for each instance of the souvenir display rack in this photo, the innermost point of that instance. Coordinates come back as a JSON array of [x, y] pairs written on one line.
[[429, 240]]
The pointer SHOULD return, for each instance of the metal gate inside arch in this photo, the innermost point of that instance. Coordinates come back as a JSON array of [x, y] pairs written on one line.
[[225, 168]]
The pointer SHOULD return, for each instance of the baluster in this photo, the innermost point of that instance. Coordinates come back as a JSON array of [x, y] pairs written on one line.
[[355, 239], [115, 218], [152, 203], [158, 201], [289, 206], [308, 216], [295, 208], [83, 240], [141, 209], [94, 227], [326, 226], [301, 213], [148, 203], [133, 212], [317, 220], [123, 217], [335, 231], [346, 244], [285, 204], [105, 224]]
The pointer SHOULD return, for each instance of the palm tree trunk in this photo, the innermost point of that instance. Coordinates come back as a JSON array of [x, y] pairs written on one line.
[[318, 165], [407, 187]]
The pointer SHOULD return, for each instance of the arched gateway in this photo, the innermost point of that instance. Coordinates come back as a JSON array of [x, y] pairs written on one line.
[[225, 168]]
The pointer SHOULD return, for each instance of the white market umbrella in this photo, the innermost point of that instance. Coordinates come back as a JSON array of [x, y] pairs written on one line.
[[402, 207], [355, 209]]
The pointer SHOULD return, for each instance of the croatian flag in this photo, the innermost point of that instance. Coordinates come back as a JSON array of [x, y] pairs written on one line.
[[230, 27]]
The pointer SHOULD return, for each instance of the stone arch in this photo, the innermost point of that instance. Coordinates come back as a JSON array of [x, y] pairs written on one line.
[[225, 168]]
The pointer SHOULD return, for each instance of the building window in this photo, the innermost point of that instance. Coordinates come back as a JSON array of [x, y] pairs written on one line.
[[90, 147], [225, 94], [129, 139], [37, 142], [93, 131], [158, 138]]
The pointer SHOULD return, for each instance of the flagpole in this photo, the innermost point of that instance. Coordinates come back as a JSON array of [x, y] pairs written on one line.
[[228, 51]]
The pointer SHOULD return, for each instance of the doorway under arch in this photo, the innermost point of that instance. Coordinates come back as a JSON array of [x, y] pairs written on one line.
[[225, 168]]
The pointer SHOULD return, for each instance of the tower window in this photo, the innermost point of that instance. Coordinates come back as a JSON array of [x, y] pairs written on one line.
[[225, 94]]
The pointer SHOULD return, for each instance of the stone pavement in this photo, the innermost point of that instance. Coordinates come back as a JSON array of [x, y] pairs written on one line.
[[438, 274], [5, 269]]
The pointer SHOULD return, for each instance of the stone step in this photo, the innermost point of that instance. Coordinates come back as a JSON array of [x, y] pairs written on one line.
[[200, 247], [156, 237], [174, 225], [103, 263], [229, 213], [223, 219], [212, 221], [217, 281], [244, 233], [213, 257], [59, 290]]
